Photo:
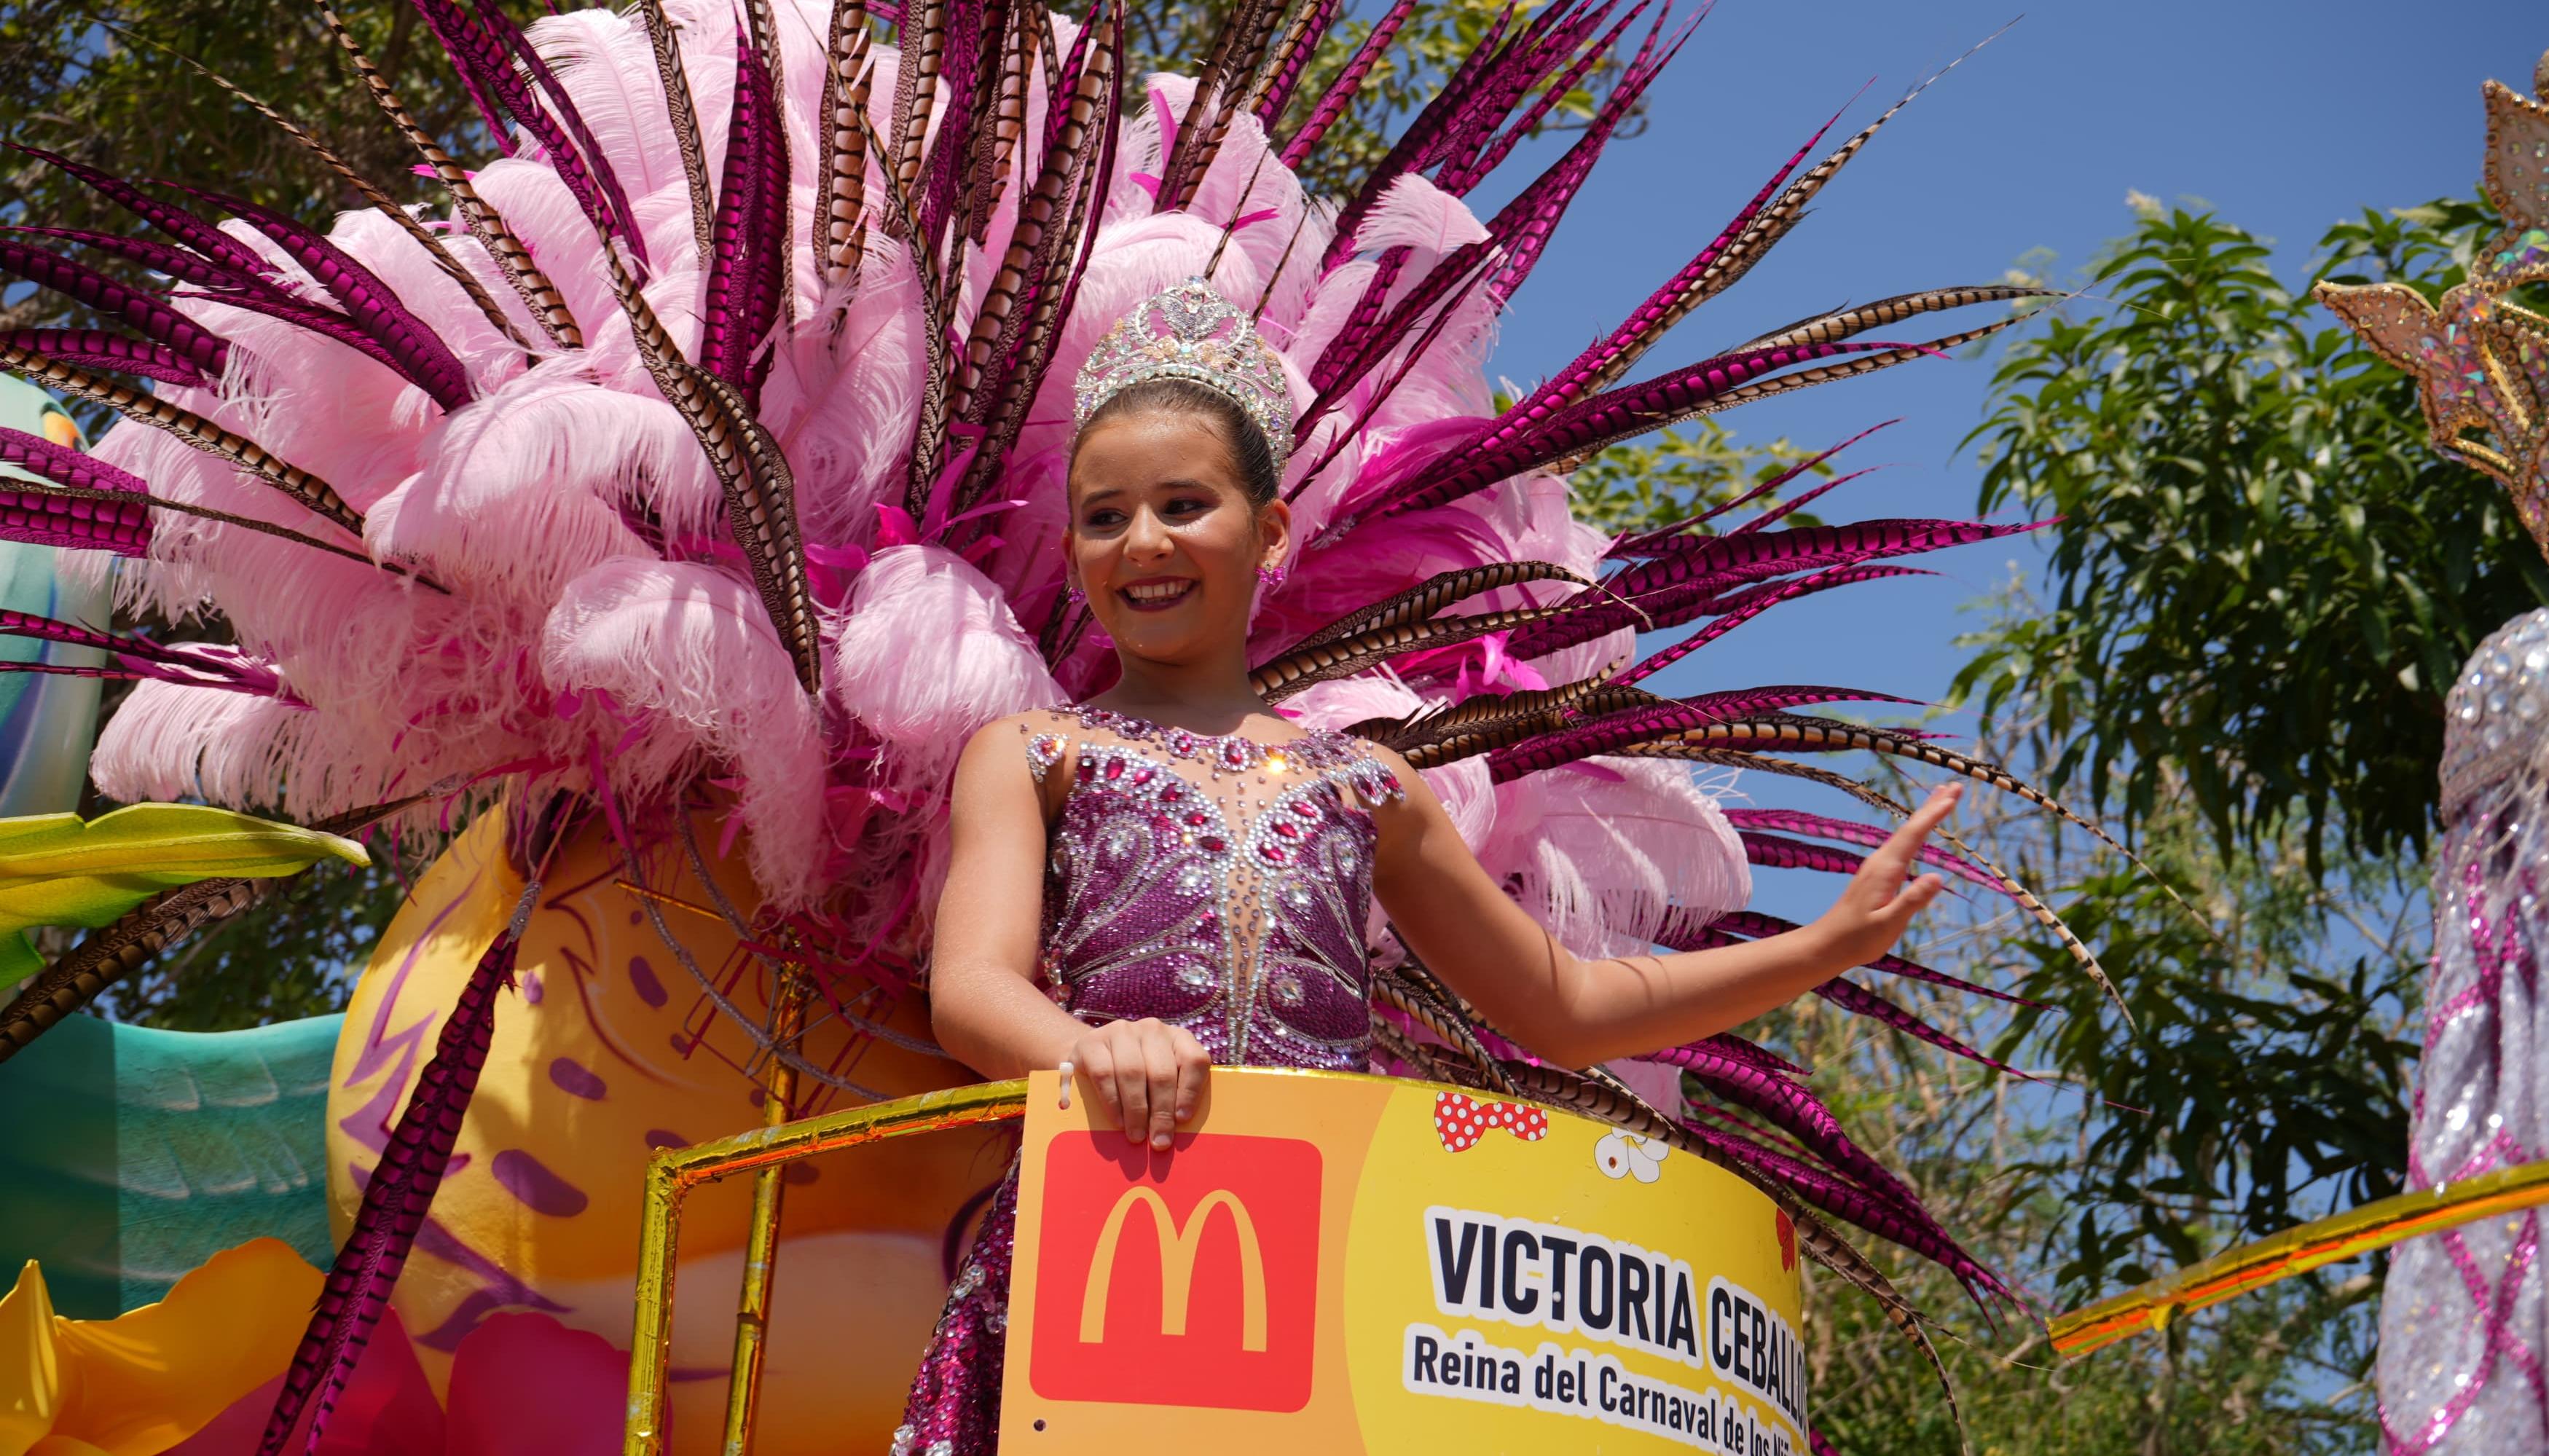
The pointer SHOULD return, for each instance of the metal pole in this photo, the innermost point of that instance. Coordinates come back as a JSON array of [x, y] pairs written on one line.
[[650, 1339], [675, 1170], [761, 1242]]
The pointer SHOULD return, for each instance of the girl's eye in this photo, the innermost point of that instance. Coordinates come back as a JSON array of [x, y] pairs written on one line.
[[1102, 519], [1190, 506]]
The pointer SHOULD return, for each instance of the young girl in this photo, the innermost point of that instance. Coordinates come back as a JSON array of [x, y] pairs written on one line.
[[1171, 875]]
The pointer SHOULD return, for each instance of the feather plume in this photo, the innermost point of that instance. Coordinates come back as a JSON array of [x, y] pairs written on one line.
[[1349, 82], [930, 652], [915, 94], [691, 649], [1609, 856], [395, 1199], [1424, 599], [1295, 670], [195, 430], [844, 155], [539, 296], [1309, 27], [192, 354], [449, 266], [682, 117]]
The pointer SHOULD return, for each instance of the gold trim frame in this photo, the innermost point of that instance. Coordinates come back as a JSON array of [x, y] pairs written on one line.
[[674, 1172], [2356, 1232]]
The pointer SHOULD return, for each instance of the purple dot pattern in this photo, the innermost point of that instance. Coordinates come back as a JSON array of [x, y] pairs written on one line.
[[536, 1187], [642, 976], [573, 1078]]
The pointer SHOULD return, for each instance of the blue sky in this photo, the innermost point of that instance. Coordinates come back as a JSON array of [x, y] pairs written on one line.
[[2284, 115]]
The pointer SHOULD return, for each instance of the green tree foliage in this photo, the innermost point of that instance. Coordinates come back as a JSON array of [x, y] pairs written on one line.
[[1644, 483], [2266, 578], [2260, 1083], [91, 81], [296, 954]]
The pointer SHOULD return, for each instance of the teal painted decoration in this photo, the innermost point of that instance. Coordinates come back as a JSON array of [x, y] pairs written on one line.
[[135, 1154], [47, 722]]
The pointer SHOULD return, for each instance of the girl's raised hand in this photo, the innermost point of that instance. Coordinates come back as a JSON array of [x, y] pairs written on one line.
[[1873, 913]]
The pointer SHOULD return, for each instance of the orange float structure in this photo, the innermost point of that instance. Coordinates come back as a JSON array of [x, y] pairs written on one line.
[[610, 1052]]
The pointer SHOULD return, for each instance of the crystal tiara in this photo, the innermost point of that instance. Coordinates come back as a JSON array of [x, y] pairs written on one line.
[[1189, 331]]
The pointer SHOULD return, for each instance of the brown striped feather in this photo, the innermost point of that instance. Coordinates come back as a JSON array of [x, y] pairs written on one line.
[[1422, 1009], [753, 475], [1294, 671], [1217, 89], [1090, 120], [1429, 1064], [106, 956], [1624, 1109], [842, 235], [314, 493], [449, 266], [916, 92], [929, 429], [1037, 211], [1436, 592], [1600, 700], [2024, 898], [684, 118], [135, 938], [1548, 707], [1770, 734], [1254, 26], [1619, 1108], [546, 304], [1848, 323], [1008, 119], [1296, 34]]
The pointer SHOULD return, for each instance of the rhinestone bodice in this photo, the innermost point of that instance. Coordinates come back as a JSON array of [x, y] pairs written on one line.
[[1219, 884]]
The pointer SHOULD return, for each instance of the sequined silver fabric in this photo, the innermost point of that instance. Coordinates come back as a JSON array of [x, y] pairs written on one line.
[[2464, 1330]]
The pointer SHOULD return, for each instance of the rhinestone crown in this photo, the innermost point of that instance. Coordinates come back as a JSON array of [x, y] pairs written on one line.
[[1189, 331]]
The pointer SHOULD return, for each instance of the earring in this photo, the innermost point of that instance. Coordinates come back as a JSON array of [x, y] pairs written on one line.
[[1268, 578], [1070, 593]]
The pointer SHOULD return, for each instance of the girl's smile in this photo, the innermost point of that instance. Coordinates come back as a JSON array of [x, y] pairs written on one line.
[[1156, 594]]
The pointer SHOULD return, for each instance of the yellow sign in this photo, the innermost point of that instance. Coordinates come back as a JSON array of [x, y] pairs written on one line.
[[1362, 1264]]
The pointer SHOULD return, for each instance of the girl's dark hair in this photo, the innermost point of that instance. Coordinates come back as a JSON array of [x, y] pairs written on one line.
[[1246, 442]]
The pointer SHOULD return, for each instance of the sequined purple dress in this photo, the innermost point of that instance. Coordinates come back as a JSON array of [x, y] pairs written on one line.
[[1216, 883]]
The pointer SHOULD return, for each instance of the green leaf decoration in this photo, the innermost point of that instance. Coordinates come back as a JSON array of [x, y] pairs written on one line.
[[56, 870]]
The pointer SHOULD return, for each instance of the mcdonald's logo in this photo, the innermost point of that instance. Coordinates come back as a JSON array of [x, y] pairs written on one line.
[[1177, 1265], [1189, 1280]]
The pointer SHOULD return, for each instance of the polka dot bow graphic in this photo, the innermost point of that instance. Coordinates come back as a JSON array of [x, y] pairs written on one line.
[[1461, 1120]]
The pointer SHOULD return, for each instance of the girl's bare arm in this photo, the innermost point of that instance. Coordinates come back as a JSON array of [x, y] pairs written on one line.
[[1579, 1012], [983, 1003]]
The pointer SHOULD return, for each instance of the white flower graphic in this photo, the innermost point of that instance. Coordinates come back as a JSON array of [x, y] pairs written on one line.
[[1626, 1154]]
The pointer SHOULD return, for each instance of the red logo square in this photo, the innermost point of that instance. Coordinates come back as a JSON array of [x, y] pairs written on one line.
[[1185, 1278]]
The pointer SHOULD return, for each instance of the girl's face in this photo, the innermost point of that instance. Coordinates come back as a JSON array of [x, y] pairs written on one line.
[[1163, 537]]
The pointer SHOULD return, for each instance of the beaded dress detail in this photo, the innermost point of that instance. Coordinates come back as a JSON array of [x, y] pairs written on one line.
[[2463, 1321], [1217, 884]]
